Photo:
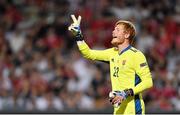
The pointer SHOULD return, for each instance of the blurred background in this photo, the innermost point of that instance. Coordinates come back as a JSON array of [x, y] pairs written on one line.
[[41, 69]]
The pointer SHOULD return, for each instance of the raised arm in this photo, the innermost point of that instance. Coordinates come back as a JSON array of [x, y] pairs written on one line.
[[102, 55]]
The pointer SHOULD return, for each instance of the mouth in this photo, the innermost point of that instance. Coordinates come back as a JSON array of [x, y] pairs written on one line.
[[114, 37]]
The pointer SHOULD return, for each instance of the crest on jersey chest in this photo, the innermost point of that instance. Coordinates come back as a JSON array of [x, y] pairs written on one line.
[[123, 62]]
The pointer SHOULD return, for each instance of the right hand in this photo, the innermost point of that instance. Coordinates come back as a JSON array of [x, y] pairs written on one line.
[[75, 26]]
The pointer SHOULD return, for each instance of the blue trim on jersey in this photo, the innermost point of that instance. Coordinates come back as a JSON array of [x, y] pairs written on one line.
[[125, 49], [137, 79], [138, 108]]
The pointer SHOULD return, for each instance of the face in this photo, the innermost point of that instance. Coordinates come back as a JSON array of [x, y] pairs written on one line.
[[119, 35]]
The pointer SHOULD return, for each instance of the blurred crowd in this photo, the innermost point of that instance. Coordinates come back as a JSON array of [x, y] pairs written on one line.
[[42, 69]]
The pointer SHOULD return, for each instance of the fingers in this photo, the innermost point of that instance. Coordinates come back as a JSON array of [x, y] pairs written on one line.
[[110, 100], [117, 102], [69, 28], [74, 18], [75, 26], [117, 99], [79, 20]]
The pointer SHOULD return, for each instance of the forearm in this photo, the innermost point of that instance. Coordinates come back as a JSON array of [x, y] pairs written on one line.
[[85, 50], [143, 85], [100, 55]]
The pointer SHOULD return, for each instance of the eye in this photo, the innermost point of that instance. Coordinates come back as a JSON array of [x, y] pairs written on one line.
[[117, 29]]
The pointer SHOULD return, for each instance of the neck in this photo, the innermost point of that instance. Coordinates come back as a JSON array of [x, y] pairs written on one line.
[[123, 46]]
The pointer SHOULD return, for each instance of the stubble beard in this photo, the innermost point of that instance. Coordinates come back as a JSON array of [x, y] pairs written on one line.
[[115, 42]]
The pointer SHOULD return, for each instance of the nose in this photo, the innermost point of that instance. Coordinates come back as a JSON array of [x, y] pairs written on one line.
[[112, 32]]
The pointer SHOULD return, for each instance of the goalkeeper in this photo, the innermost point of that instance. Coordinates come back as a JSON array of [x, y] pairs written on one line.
[[129, 71]]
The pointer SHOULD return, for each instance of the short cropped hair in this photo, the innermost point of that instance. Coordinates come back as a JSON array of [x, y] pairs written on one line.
[[129, 27]]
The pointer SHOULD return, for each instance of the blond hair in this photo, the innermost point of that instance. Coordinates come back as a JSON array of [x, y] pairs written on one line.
[[129, 27]]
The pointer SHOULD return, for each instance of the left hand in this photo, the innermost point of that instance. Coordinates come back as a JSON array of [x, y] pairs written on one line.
[[116, 97], [120, 96]]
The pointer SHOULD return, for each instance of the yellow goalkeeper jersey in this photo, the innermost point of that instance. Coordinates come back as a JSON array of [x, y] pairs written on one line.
[[128, 69]]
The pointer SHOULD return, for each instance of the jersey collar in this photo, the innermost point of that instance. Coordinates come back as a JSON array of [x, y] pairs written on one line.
[[125, 49]]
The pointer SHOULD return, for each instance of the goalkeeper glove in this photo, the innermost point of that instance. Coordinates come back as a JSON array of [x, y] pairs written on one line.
[[116, 97], [75, 28]]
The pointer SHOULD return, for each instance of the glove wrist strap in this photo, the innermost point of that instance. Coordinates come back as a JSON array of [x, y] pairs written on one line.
[[129, 92], [79, 37]]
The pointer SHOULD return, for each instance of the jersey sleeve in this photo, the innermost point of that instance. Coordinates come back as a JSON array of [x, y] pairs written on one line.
[[102, 55], [143, 72]]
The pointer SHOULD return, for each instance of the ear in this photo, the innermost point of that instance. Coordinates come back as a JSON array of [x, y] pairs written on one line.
[[127, 35]]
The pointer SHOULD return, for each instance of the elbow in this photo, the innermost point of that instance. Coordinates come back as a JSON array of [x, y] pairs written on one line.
[[150, 83], [87, 56]]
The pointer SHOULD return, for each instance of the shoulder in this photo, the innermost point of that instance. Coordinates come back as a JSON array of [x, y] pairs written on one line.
[[136, 52]]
